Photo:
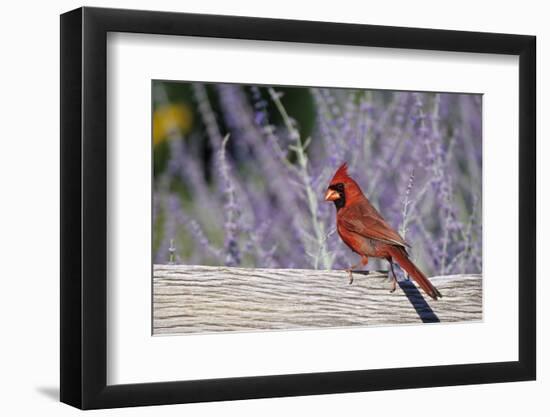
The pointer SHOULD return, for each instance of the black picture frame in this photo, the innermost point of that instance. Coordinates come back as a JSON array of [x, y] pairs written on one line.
[[84, 207]]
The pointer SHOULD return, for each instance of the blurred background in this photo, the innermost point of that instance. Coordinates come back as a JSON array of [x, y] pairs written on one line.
[[240, 173]]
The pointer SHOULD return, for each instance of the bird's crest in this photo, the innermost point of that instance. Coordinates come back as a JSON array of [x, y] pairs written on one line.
[[341, 175]]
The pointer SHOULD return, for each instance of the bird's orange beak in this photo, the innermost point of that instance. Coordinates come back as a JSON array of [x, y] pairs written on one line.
[[331, 195]]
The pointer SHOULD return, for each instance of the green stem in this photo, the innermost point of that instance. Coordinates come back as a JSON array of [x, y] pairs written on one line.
[[299, 149]]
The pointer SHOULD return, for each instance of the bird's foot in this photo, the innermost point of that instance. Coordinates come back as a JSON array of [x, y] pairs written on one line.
[[350, 276], [393, 285]]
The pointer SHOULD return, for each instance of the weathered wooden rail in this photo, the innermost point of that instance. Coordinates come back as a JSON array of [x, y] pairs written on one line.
[[192, 299]]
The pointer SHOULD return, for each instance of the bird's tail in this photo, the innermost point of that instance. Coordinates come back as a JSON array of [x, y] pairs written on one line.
[[400, 256]]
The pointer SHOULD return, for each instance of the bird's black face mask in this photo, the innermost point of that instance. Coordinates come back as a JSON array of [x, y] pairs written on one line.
[[340, 200]]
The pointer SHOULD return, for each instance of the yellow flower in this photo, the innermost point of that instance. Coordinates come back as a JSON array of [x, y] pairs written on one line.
[[170, 118]]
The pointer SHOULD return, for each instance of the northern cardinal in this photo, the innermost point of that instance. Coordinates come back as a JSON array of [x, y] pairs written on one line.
[[364, 230]]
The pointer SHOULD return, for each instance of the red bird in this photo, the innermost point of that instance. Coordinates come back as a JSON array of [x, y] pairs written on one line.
[[364, 230]]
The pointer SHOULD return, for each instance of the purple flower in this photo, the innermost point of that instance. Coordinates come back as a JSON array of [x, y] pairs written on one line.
[[256, 199]]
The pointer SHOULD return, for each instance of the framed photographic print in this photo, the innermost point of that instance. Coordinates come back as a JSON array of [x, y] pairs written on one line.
[[258, 208]]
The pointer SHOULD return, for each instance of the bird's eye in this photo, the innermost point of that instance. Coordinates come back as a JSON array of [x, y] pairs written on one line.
[[338, 187]]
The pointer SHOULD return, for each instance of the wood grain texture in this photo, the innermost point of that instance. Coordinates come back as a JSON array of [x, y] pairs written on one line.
[[203, 299]]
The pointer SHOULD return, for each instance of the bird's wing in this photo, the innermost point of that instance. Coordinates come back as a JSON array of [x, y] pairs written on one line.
[[363, 219]]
